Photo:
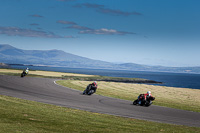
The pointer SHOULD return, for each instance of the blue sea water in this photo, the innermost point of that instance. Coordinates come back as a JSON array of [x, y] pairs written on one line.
[[183, 80]]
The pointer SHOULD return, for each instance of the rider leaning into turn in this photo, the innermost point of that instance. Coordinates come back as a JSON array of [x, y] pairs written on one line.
[[27, 70], [93, 87], [145, 97]]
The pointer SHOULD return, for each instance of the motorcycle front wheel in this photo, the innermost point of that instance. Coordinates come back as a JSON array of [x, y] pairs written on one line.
[[135, 102]]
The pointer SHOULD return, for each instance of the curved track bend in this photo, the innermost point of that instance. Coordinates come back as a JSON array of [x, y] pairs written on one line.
[[46, 91]]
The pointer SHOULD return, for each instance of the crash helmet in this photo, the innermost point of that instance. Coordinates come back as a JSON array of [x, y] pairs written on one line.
[[95, 82], [149, 93], [27, 68]]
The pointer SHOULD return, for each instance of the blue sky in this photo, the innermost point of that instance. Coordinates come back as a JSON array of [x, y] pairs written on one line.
[[151, 32]]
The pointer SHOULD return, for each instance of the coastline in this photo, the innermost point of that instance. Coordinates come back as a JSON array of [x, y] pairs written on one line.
[[132, 81], [190, 81], [75, 76]]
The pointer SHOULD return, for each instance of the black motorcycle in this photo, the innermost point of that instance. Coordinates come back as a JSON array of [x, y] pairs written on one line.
[[142, 102], [88, 90], [23, 74]]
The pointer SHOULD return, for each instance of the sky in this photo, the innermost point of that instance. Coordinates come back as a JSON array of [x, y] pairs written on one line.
[[149, 32]]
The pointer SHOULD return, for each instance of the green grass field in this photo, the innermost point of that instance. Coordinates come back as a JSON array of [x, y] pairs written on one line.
[[19, 115]]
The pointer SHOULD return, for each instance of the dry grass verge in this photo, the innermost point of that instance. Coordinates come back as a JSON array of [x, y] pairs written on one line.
[[180, 98], [45, 73]]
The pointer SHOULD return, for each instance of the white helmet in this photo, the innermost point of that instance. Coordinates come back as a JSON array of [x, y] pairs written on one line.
[[148, 92], [95, 82], [27, 68]]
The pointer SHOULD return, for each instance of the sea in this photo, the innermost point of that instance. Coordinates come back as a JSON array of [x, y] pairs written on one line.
[[183, 80]]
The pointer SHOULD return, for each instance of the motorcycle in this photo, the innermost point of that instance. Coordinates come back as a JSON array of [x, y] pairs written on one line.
[[88, 90], [142, 102], [23, 74]]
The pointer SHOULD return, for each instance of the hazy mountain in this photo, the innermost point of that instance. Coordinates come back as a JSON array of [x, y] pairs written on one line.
[[137, 67], [12, 55]]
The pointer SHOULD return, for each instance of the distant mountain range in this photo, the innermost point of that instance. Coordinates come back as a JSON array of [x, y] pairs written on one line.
[[12, 55]]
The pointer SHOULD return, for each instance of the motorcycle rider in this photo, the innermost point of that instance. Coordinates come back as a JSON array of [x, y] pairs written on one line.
[[27, 70], [93, 88], [145, 97]]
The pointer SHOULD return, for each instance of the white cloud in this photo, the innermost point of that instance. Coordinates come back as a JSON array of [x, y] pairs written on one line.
[[104, 10], [104, 31], [15, 31]]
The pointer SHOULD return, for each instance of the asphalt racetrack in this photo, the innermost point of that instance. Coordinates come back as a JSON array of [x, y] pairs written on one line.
[[46, 91]]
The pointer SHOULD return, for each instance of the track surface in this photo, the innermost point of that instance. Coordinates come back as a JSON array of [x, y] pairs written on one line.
[[46, 91]]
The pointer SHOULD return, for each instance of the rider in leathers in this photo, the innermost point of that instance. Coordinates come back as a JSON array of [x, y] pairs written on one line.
[[93, 88]]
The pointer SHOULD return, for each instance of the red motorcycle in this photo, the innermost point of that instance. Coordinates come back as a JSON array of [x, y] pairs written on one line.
[[142, 102]]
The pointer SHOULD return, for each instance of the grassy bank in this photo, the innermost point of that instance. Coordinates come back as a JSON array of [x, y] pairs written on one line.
[[19, 115], [179, 98], [42, 73], [74, 76]]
